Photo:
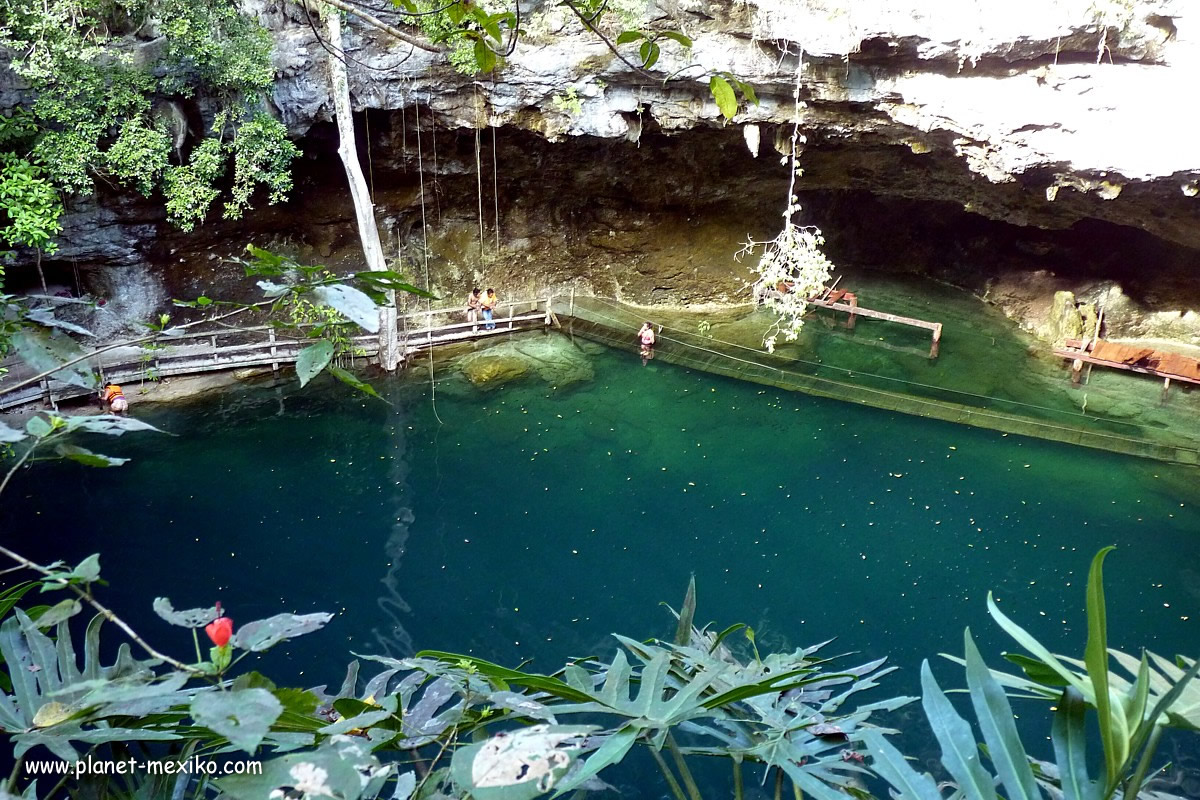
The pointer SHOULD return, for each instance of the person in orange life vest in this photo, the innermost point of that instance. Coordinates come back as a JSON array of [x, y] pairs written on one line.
[[647, 339], [114, 398], [490, 301]]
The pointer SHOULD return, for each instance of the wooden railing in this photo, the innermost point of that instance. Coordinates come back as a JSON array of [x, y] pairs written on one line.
[[197, 352]]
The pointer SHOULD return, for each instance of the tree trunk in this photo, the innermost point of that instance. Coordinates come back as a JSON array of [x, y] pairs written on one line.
[[364, 209]]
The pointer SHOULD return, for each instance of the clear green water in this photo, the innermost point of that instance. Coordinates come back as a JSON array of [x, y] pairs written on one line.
[[536, 519]]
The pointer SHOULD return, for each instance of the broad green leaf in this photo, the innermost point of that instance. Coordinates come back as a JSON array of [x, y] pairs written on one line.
[[625, 37], [649, 52], [1069, 735], [265, 633], [107, 424], [312, 359], [960, 754], [44, 352], [87, 457], [350, 303], [614, 749], [676, 36], [999, 731], [38, 427], [1095, 656], [722, 92], [189, 618], [242, 717], [517, 765], [350, 379], [892, 767], [485, 57], [64, 610]]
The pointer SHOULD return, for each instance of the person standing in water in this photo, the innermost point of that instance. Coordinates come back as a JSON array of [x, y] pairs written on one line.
[[474, 304], [647, 339], [490, 301]]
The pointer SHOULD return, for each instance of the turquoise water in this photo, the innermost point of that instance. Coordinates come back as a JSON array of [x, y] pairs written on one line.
[[533, 519]]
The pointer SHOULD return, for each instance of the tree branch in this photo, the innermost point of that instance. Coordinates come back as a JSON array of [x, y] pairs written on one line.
[[390, 30]]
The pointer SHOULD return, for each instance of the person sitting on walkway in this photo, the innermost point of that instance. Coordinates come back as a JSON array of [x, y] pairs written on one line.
[[474, 303], [490, 301], [115, 400]]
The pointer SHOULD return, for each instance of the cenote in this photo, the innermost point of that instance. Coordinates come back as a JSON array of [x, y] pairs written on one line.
[[530, 519]]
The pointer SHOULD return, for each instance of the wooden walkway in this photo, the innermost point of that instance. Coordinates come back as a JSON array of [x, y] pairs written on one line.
[[841, 300], [1133, 358], [197, 352]]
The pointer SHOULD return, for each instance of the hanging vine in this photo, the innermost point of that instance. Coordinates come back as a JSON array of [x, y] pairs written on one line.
[[791, 267]]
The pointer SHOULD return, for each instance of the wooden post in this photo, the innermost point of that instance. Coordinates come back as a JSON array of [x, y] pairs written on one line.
[[1165, 389], [46, 396], [213, 340], [511, 306], [1076, 368], [549, 302], [853, 317], [937, 340], [572, 312], [274, 351]]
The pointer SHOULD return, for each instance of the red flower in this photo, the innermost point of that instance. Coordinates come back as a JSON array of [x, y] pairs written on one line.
[[220, 630]]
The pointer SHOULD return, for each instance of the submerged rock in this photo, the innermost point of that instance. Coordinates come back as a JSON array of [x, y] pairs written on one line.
[[554, 359], [490, 369]]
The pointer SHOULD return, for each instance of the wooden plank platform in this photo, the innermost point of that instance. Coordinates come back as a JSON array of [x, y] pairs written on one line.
[[833, 302], [199, 351], [1136, 358]]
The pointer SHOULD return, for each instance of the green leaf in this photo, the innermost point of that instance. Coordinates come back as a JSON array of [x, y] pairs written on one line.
[[649, 52], [203, 301], [626, 37], [388, 279], [960, 754], [1095, 657], [349, 379], [60, 612], [747, 91], [312, 360], [485, 57], [189, 618], [687, 613], [999, 731], [1036, 670], [265, 633], [38, 427], [676, 36], [242, 717], [1026, 640], [45, 352], [722, 92], [350, 303], [891, 766], [614, 749], [1069, 736], [87, 457]]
